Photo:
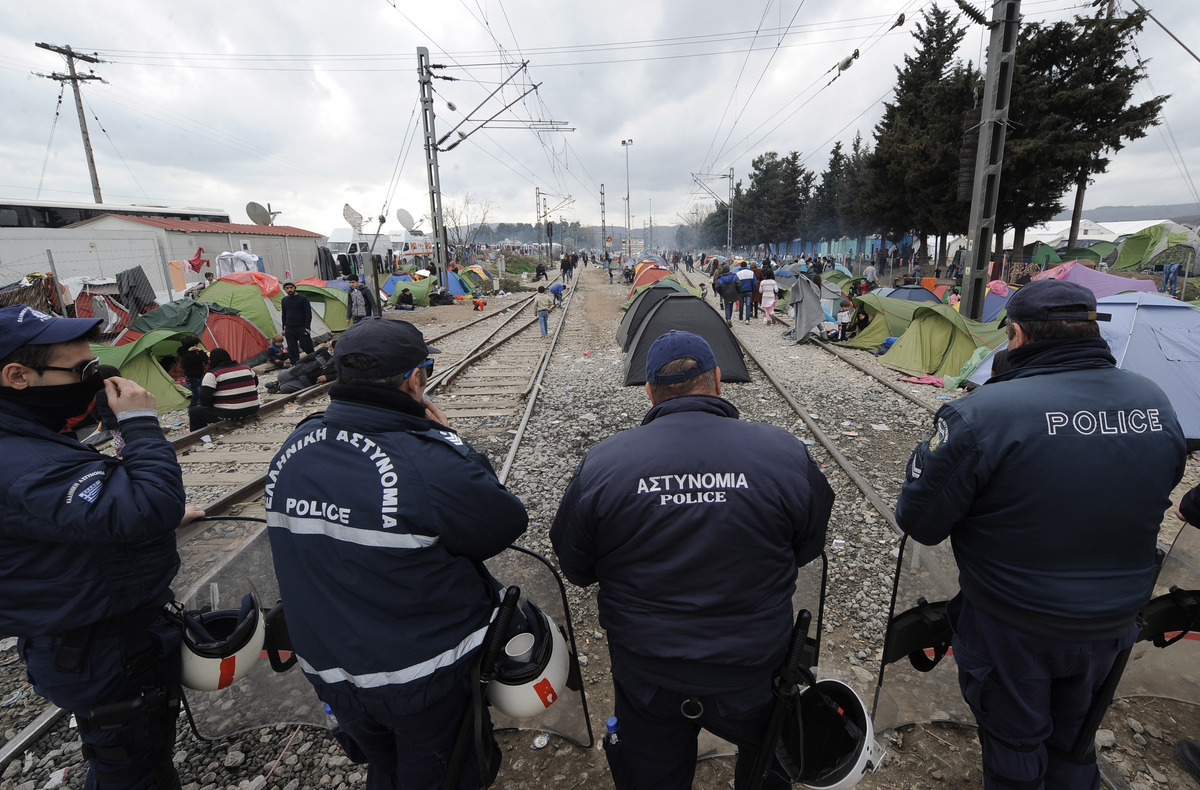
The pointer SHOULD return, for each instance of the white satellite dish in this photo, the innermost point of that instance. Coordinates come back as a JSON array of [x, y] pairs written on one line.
[[406, 219], [259, 214], [353, 217]]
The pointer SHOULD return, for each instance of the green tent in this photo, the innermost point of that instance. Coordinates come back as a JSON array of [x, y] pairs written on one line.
[[939, 340], [669, 282], [259, 310], [185, 314], [1042, 253], [1082, 254], [889, 318], [419, 288], [834, 276], [1138, 249], [139, 361], [328, 303]]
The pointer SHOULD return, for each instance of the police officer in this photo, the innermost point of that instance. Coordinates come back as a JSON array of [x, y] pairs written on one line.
[[380, 519], [87, 542], [1050, 482], [696, 550]]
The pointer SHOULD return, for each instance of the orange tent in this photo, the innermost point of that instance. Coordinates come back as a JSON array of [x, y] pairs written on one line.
[[649, 275]]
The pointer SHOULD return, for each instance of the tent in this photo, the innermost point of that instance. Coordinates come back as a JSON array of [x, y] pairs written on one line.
[[139, 361], [420, 288], [216, 326], [649, 275], [913, 293], [1139, 248], [1159, 337], [1183, 254], [1041, 253], [995, 299], [455, 285], [479, 278], [329, 303], [804, 302], [1082, 254], [1099, 283], [256, 296], [838, 278], [691, 314], [939, 340], [640, 306], [889, 318], [667, 282]]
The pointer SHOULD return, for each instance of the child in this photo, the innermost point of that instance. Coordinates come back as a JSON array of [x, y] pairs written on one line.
[[275, 351], [704, 291], [479, 304], [843, 319]]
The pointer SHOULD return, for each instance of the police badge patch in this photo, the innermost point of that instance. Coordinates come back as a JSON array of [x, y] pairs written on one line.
[[940, 434]]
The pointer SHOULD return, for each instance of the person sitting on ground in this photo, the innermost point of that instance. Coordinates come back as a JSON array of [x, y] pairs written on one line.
[[275, 351], [228, 391], [405, 302], [313, 369]]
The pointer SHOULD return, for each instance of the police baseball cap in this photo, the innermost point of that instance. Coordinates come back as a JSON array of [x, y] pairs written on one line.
[[396, 347], [21, 325], [1054, 300], [675, 345]]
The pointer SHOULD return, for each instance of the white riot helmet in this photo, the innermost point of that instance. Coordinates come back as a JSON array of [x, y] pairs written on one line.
[[532, 673], [839, 738], [220, 647]]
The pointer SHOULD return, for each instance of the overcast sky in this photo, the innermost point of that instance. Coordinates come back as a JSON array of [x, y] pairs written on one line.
[[310, 105]]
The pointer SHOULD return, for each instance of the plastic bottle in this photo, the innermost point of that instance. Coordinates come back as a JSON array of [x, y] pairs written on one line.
[[611, 737], [331, 722]]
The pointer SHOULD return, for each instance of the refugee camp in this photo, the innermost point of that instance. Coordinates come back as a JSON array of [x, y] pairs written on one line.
[[832, 421]]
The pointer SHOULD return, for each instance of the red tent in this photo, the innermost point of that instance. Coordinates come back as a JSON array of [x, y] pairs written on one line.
[[648, 275]]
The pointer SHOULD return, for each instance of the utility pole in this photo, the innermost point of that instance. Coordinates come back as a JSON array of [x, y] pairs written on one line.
[[1006, 16], [603, 226], [652, 245], [425, 78], [628, 210], [74, 78]]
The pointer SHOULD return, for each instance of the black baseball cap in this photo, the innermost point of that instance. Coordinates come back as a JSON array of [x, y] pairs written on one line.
[[21, 325], [1054, 300], [396, 346], [674, 345]]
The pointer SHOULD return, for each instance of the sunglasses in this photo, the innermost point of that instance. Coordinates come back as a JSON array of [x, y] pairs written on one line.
[[427, 364], [85, 370]]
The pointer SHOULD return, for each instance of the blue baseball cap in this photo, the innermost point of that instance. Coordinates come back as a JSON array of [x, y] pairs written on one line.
[[21, 325], [396, 347], [1054, 300], [675, 345]]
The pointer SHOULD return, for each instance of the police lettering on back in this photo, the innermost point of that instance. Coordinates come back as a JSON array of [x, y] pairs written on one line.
[[1086, 423], [691, 489]]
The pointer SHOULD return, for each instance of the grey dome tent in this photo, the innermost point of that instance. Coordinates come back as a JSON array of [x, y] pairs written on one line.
[[690, 314], [642, 304]]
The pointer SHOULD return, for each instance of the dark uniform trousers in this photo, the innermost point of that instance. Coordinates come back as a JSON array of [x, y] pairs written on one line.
[[413, 751], [128, 746], [1030, 695], [657, 749]]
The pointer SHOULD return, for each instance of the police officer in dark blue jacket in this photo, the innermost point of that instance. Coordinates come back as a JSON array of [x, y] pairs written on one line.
[[694, 525], [87, 543], [380, 519], [1050, 481]]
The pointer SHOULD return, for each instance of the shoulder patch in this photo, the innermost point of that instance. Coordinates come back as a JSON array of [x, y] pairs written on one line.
[[940, 434]]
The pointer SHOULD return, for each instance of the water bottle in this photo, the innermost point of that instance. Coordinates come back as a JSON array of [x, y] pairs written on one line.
[[611, 737], [331, 722]]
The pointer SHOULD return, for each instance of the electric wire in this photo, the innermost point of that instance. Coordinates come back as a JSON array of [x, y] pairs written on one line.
[[113, 143], [50, 143]]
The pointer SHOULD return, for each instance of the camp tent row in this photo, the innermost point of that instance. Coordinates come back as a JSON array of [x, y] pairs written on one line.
[[664, 305]]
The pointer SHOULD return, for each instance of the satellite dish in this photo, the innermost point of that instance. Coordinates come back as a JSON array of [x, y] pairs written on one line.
[[353, 217], [258, 214], [405, 219]]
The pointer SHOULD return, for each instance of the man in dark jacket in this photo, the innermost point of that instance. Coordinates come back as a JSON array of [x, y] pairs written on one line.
[[296, 318], [1054, 539], [315, 368], [696, 555], [727, 287], [380, 563], [87, 542]]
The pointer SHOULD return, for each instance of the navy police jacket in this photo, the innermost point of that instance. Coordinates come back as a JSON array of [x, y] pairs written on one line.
[[694, 524], [380, 521], [1050, 481], [83, 536]]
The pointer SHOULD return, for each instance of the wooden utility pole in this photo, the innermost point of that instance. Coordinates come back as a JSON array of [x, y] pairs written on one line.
[[75, 78]]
